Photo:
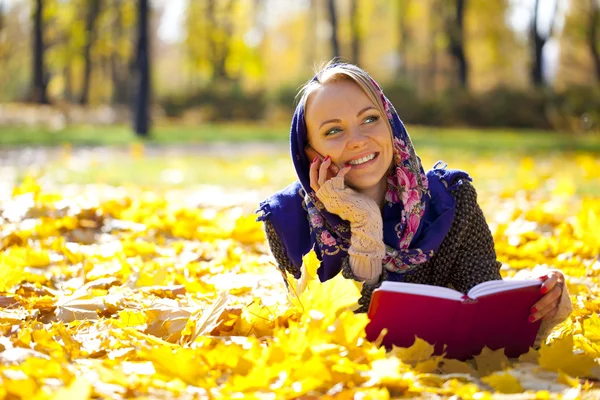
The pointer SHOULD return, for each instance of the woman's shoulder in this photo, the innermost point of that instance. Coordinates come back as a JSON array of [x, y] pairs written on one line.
[[465, 192]]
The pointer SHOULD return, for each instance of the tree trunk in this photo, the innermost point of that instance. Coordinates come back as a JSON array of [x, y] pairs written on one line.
[[355, 32], [93, 10], [538, 42], [142, 73], [219, 49], [68, 92], [1, 15], [118, 66], [457, 43], [593, 35], [537, 76], [335, 47], [39, 82]]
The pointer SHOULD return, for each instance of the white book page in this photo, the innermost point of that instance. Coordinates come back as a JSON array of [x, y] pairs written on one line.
[[425, 290], [490, 287]]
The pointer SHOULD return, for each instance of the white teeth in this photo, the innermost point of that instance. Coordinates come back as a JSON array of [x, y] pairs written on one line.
[[363, 160]]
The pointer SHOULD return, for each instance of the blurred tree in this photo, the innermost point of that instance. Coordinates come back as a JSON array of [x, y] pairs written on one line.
[[538, 41], [90, 32], [594, 31], [220, 46], [489, 39], [225, 42], [39, 72], [335, 47], [209, 33], [355, 31], [403, 36], [455, 30], [435, 37], [312, 17], [142, 73], [121, 50], [1, 15], [579, 46]]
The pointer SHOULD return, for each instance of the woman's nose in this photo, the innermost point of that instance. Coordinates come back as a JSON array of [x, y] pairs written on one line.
[[356, 138]]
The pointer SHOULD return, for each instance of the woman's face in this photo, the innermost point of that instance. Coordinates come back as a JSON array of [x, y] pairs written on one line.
[[344, 124]]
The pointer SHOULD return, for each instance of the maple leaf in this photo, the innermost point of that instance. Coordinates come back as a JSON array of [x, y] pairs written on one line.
[[130, 318], [186, 364], [559, 356], [591, 328], [503, 382], [419, 351], [452, 366], [310, 264], [330, 297], [531, 356], [489, 361], [209, 318]]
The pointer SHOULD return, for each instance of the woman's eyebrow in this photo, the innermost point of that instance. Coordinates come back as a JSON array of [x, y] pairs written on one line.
[[365, 109], [338, 120], [329, 121]]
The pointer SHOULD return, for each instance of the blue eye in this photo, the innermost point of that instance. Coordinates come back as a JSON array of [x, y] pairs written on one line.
[[332, 131], [371, 119]]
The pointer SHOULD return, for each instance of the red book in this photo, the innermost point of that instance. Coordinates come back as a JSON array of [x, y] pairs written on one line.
[[493, 314]]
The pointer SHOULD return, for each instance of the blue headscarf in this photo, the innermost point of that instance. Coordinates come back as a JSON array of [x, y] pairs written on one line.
[[417, 215]]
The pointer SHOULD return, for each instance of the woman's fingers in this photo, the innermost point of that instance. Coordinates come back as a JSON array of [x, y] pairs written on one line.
[[344, 171], [553, 278], [323, 170], [314, 175], [546, 305]]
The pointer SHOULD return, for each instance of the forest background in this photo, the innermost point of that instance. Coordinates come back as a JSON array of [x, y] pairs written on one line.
[[502, 63]]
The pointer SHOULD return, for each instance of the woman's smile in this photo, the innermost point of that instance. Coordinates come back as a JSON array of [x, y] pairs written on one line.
[[364, 161]]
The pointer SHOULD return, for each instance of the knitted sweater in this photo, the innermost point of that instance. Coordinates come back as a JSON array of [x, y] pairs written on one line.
[[465, 258]]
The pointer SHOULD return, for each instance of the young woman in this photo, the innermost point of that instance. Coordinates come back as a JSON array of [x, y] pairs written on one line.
[[366, 206]]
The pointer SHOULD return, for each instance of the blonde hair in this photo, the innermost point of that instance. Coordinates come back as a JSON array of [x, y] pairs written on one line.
[[334, 72]]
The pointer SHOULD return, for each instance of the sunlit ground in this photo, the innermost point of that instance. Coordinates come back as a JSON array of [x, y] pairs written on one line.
[[139, 271]]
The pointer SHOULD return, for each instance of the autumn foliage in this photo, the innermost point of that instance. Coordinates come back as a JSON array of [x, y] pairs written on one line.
[[129, 293]]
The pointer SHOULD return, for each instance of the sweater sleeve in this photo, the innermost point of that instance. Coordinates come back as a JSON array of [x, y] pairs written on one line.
[[283, 262], [476, 259], [565, 308]]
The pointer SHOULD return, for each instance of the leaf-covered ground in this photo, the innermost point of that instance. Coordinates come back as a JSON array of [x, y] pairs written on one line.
[[114, 292]]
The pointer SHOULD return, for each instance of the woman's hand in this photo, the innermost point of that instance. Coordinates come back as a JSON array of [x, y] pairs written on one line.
[[366, 244], [340, 199], [547, 306], [319, 172]]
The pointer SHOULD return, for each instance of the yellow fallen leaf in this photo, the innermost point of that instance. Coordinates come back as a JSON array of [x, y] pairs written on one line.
[[531, 356], [310, 264], [419, 351], [503, 382], [79, 389], [559, 356], [129, 318], [489, 361], [567, 380], [209, 317], [452, 366]]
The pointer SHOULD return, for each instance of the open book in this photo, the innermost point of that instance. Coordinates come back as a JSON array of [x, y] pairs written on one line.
[[493, 314]]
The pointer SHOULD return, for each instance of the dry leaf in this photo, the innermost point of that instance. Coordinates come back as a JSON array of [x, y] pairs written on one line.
[[489, 361]]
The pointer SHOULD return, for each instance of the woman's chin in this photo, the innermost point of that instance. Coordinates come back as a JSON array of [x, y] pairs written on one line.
[[363, 184]]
